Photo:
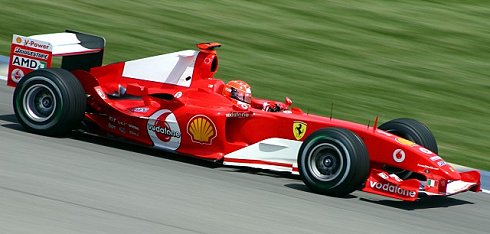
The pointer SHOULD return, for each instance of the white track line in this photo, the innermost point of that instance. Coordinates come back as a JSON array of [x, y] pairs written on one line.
[[3, 78], [485, 191]]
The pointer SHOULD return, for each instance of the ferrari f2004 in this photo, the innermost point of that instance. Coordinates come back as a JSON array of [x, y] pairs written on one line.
[[173, 102]]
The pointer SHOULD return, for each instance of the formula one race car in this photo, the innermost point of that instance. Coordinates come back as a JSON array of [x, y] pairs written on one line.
[[173, 102]]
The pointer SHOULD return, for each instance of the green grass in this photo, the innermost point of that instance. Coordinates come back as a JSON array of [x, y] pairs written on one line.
[[428, 60]]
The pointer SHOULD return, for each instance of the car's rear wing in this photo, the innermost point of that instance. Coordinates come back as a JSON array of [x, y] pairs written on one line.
[[78, 51]]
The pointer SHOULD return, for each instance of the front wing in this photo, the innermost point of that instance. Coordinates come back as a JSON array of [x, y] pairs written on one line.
[[390, 185]]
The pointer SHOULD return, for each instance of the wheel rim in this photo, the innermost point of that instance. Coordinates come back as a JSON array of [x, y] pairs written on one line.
[[325, 161], [39, 102]]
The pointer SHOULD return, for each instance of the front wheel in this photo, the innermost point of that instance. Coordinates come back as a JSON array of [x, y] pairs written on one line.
[[413, 131], [49, 102], [333, 161]]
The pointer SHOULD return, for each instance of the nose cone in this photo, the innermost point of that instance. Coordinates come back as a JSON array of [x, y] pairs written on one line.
[[450, 173]]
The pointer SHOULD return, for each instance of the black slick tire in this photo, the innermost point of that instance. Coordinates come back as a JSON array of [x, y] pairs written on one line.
[[49, 102], [412, 130], [333, 161]]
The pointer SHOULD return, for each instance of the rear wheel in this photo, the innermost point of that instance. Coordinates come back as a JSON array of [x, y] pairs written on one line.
[[411, 130], [333, 161], [49, 102]]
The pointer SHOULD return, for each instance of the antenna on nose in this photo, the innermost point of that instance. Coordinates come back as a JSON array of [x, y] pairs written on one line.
[[331, 111]]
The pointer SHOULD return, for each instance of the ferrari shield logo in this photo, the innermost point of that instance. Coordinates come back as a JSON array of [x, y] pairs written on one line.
[[299, 129]]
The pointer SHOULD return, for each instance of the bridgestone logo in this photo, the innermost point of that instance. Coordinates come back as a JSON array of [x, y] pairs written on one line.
[[164, 131], [392, 189], [21, 51]]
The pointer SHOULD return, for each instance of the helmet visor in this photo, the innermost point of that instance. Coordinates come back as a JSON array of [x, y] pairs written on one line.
[[241, 96]]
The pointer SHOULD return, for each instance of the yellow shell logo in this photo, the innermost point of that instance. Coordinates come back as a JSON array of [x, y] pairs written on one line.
[[404, 141], [201, 129], [18, 40]]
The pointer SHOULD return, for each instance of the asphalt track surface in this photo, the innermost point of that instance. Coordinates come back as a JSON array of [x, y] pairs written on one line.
[[85, 184]]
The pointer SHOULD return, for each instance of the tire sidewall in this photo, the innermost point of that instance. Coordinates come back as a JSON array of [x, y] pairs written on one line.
[[352, 174], [21, 108], [307, 154]]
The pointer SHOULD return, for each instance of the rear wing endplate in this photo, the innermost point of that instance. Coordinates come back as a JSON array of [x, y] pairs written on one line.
[[78, 51]]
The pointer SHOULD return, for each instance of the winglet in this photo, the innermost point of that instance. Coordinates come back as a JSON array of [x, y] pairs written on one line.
[[208, 46]]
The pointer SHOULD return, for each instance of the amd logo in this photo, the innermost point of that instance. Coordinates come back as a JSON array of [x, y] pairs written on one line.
[[27, 62]]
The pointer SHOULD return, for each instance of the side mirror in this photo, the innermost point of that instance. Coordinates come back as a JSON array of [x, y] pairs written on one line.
[[288, 102]]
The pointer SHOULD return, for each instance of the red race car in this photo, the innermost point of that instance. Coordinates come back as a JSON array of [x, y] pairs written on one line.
[[173, 102]]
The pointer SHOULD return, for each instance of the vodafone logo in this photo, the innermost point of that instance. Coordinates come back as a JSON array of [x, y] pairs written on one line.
[[399, 155], [16, 75], [392, 189], [164, 130]]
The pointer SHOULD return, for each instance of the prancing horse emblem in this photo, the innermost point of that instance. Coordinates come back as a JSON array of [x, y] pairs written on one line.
[[299, 129]]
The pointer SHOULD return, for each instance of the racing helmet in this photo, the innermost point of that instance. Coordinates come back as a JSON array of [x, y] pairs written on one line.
[[238, 90]]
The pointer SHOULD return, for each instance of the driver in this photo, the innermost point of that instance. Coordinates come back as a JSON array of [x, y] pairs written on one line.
[[240, 92]]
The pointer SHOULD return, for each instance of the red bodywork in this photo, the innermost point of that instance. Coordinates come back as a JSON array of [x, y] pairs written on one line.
[[199, 121]]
